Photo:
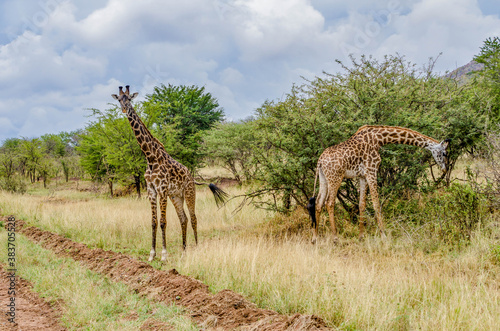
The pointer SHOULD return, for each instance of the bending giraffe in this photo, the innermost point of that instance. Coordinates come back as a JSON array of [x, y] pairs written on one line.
[[358, 157], [165, 178]]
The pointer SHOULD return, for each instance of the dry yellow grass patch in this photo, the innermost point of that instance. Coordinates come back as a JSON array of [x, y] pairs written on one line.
[[375, 284]]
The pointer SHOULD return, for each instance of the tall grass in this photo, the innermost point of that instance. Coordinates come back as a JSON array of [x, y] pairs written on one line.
[[378, 284]]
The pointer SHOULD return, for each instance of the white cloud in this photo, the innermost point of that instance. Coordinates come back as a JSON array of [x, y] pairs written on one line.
[[59, 57]]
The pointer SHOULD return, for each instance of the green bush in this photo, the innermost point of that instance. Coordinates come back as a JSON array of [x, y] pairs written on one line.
[[13, 184], [449, 215]]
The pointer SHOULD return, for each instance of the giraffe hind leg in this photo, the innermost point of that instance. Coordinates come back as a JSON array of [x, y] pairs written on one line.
[[178, 203], [154, 224], [320, 202], [191, 202], [163, 226], [362, 207]]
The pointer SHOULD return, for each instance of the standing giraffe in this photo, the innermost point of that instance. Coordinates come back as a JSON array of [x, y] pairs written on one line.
[[358, 157], [165, 178]]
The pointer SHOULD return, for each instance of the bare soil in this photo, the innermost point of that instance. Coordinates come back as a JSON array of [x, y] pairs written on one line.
[[32, 312], [224, 310]]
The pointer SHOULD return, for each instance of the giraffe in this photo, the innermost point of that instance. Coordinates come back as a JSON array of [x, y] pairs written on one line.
[[165, 178], [358, 157]]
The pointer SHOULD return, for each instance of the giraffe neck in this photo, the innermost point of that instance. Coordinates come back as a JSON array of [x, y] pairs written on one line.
[[150, 146], [385, 135]]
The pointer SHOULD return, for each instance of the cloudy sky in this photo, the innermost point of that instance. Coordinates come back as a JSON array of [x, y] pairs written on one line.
[[60, 57]]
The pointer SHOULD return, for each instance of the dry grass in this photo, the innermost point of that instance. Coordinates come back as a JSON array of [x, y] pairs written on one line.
[[375, 284]]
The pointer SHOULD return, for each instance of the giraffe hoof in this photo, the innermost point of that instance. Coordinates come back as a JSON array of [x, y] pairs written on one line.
[[151, 258], [164, 255], [313, 241]]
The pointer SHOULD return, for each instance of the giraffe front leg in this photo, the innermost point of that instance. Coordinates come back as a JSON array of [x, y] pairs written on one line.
[[362, 207], [372, 184], [163, 226], [178, 203], [154, 225]]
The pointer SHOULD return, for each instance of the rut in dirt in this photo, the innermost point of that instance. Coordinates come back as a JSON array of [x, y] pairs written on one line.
[[225, 309], [31, 311]]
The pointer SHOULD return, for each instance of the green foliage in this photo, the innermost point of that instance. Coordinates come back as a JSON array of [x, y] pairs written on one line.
[[91, 151], [109, 149], [327, 111], [13, 184], [36, 158], [489, 56], [462, 210], [232, 145], [31, 155], [179, 115], [449, 215], [9, 157]]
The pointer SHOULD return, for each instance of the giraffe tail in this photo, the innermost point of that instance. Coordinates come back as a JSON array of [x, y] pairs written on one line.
[[219, 195], [311, 206]]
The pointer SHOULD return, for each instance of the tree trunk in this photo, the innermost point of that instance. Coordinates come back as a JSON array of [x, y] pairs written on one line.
[[138, 185], [110, 184]]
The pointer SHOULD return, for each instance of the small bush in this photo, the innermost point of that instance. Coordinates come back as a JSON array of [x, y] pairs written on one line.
[[282, 226], [450, 215], [463, 210], [13, 184]]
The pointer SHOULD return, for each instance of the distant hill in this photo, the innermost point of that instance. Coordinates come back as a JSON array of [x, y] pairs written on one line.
[[464, 72]]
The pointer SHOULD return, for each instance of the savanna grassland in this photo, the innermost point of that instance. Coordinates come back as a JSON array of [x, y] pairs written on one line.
[[411, 280]]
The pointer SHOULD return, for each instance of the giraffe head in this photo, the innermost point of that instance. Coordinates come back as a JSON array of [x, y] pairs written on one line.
[[125, 98], [438, 151]]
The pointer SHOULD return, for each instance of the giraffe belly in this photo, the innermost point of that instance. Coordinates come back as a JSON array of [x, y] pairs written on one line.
[[351, 174], [359, 171]]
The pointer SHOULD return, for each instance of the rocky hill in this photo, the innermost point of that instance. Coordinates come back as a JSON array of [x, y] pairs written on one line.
[[464, 72]]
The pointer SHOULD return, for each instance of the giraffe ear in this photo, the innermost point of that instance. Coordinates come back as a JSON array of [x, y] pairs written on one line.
[[445, 142], [134, 95], [114, 96]]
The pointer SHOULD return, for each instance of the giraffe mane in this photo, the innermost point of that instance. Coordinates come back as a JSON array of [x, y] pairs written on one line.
[[153, 138], [366, 127]]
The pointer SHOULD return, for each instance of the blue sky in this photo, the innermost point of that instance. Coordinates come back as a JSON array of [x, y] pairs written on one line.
[[60, 57]]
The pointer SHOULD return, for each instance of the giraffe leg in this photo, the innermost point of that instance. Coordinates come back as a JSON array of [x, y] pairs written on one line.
[[191, 202], [320, 202], [330, 206], [179, 208], [163, 226], [362, 207], [154, 224], [372, 184]]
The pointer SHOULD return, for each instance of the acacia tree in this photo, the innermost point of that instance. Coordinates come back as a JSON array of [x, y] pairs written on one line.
[[31, 155], [489, 56], [9, 157], [110, 151], [179, 115], [328, 110]]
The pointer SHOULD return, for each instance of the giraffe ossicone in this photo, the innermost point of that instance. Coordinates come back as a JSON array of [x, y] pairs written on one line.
[[165, 178], [358, 157]]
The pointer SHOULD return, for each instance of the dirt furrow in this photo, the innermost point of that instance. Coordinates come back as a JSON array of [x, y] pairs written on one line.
[[31, 311], [225, 309]]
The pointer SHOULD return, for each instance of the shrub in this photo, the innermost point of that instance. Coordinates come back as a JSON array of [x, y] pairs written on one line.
[[13, 184]]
